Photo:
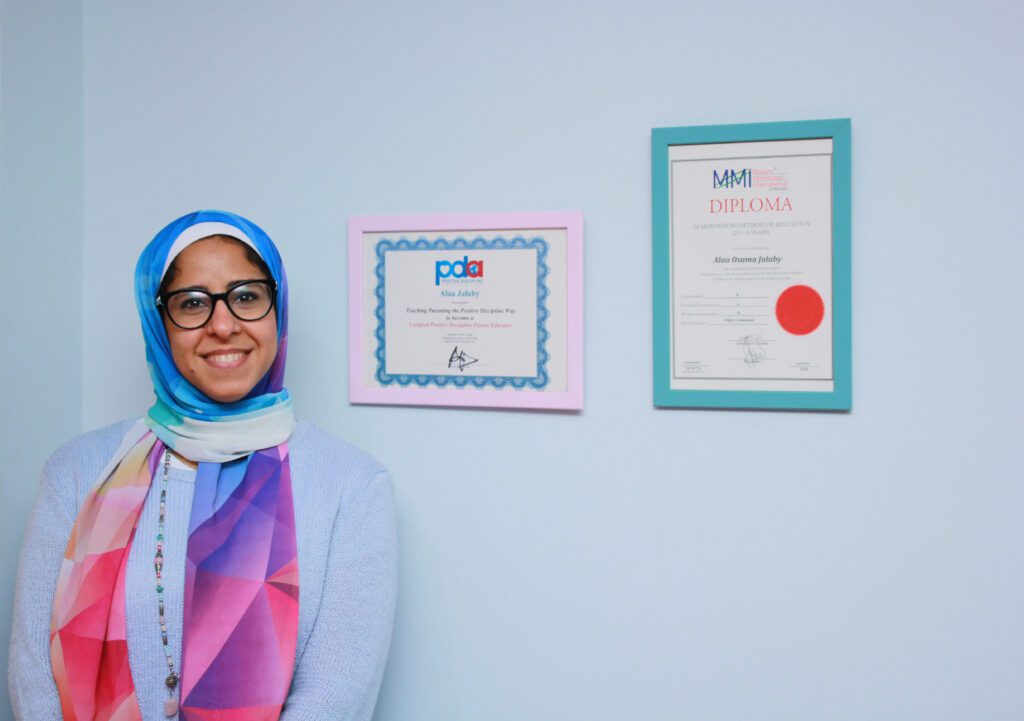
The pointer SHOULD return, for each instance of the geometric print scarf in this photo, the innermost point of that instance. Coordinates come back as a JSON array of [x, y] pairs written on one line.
[[241, 591], [241, 570]]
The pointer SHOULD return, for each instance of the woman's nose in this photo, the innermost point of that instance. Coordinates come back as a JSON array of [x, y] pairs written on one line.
[[222, 323]]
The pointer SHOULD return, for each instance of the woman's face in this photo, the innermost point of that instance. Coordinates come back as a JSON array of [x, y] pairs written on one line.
[[226, 357]]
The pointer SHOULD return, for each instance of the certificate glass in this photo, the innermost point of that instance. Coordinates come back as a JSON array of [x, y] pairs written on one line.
[[467, 310], [751, 249]]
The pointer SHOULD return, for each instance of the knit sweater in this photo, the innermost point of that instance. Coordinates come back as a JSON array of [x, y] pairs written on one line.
[[345, 535]]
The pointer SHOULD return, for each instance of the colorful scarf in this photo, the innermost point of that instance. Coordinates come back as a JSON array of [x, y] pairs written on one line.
[[241, 575]]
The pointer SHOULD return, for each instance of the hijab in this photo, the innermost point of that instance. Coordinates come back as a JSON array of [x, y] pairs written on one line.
[[241, 569]]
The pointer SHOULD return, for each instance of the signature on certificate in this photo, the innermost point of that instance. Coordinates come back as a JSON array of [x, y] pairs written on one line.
[[460, 359], [753, 355]]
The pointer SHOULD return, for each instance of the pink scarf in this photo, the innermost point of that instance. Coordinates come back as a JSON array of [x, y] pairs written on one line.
[[241, 590]]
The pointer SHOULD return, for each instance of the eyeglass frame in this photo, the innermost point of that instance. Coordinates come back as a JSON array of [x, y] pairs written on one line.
[[161, 301]]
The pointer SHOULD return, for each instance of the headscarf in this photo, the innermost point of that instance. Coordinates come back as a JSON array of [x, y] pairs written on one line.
[[241, 572]]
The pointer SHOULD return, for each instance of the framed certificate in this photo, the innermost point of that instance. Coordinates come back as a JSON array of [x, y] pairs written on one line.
[[751, 251], [467, 310]]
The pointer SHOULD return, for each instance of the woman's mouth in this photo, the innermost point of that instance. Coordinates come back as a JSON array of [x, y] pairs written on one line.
[[226, 359]]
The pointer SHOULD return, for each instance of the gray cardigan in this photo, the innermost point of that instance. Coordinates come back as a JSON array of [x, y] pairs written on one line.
[[345, 533]]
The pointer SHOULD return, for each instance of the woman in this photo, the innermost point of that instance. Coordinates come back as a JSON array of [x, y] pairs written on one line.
[[217, 559]]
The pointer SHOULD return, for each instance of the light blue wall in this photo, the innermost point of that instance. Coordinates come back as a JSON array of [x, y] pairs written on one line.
[[623, 563], [41, 214]]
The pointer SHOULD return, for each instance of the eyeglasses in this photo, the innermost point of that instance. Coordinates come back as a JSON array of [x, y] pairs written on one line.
[[190, 308]]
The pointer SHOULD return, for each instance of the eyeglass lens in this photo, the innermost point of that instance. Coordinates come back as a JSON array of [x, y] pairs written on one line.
[[192, 308]]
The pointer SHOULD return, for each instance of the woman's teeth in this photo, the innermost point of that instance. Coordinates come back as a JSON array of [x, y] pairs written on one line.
[[225, 359]]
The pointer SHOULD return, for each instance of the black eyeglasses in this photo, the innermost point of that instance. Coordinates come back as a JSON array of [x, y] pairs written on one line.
[[191, 308]]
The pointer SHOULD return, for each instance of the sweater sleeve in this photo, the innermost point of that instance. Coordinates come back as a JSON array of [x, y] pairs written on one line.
[[339, 671], [33, 690]]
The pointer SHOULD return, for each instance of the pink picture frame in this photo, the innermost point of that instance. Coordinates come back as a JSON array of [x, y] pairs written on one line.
[[557, 239]]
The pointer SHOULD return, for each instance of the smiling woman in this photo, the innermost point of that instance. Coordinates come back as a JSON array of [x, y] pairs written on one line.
[[222, 348], [216, 559]]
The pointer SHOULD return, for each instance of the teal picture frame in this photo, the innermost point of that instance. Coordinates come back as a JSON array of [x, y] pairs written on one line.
[[662, 141]]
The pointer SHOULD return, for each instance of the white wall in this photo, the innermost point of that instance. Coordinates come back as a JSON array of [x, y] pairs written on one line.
[[40, 261], [623, 562]]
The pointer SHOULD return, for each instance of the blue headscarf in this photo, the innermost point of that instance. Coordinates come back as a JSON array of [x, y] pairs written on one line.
[[183, 417]]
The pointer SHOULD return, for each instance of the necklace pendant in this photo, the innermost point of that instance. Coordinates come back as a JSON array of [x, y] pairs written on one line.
[[171, 704]]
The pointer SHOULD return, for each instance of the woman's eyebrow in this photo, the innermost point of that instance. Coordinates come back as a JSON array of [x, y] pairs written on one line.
[[230, 284], [189, 287], [243, 281]]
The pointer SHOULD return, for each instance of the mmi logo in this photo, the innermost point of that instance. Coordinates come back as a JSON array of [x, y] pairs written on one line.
[[464, 268], [731, 179]]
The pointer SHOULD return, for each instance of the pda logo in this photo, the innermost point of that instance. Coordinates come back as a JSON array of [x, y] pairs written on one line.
[[732, 178], [464, 268]]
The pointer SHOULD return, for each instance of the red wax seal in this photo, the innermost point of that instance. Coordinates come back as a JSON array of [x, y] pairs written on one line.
[[799, 309]]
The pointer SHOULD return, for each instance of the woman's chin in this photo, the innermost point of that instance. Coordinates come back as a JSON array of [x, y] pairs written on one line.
[[225, 392]]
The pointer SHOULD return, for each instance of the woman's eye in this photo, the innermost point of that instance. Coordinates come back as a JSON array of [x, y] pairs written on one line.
[[247, 295], [192, 304]]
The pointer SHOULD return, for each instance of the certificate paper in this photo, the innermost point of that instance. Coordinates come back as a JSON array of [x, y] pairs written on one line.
[[452, 314], [457, 311], [752, 265], [751, 251]]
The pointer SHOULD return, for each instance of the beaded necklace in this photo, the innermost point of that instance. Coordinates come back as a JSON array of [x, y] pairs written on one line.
[[171, 704]]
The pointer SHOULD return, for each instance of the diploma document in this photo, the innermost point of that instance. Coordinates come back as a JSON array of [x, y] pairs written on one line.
[[751, 266], [466, 315], [452, 310]]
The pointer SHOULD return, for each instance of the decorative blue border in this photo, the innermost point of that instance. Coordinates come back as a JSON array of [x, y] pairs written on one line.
[[662, 139], [538, 243]]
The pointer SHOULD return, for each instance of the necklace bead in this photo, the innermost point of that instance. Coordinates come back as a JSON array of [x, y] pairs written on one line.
[[171, 704]]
